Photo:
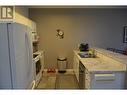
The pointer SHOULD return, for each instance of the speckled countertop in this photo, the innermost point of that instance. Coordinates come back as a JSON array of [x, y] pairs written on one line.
[[116, 56], [98, 64]]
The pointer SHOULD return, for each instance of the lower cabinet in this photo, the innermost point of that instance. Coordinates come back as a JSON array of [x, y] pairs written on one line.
[[87, 80], [97, 79], [76, 66], [104, 80]]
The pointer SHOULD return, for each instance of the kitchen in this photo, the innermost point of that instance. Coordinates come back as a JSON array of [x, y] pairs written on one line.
[[58, 32]]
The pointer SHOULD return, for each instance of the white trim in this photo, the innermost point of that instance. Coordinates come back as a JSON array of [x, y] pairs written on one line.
[[32, 85], [68, 71]]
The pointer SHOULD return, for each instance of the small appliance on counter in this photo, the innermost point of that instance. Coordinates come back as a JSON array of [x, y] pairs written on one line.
[[84, 47]]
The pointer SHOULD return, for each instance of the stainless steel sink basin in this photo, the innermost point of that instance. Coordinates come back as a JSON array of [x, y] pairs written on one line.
[[86, 55]]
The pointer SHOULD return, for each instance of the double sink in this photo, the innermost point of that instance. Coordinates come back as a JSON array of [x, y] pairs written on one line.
[[86, 55]]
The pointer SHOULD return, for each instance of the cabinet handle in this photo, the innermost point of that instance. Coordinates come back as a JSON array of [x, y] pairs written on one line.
[[104, 77]]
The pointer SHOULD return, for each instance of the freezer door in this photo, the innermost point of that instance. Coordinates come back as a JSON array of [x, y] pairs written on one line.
[[5, 70], [21, 56]]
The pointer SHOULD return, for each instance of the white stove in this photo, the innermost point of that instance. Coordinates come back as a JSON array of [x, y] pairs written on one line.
[[38, 58]]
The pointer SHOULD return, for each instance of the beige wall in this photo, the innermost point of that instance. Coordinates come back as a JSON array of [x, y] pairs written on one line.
[[99, 27], [22, 10]]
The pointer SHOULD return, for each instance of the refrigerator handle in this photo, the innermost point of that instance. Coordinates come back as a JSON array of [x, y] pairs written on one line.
[[27, 48], [30, 53]]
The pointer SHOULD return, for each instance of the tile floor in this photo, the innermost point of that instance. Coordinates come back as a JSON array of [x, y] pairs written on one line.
[[58, 81]]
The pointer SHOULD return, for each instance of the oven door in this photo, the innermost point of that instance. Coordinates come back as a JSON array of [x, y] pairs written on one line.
[[38, 66]]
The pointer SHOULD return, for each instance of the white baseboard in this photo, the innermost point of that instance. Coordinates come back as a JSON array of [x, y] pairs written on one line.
[[68, 71]]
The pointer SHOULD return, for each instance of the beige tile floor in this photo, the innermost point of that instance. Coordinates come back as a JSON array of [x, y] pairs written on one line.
[[58, 81], [66, 82]]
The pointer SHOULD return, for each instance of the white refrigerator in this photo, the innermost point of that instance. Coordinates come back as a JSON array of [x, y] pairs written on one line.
[[16, 65]]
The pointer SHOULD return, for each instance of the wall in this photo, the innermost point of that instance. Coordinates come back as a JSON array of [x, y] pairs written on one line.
[[22, 11], [100, 27]]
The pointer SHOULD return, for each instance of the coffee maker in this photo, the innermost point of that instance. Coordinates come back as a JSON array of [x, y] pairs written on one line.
[[84, 47]]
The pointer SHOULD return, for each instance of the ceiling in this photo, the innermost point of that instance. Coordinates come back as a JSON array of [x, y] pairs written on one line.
[[54, 6]]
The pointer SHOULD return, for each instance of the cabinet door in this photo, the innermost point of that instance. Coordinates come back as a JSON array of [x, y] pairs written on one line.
[[74, 64], [21, 56], [114, 80], [76, 67], [5, 74], [87, 79]]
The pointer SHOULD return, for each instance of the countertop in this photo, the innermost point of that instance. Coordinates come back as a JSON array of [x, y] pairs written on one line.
[[98, 64], [116, 56]]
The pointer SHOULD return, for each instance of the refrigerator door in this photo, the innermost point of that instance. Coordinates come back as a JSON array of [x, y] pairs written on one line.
[[5, 70], [21, 56], [29, 47]]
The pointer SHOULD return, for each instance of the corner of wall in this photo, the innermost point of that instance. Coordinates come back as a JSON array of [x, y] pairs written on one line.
[[24, 11]]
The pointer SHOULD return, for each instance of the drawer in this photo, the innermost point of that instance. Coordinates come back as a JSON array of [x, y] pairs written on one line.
[[86, 80], [104, 77], [87, 72], [87, 77]]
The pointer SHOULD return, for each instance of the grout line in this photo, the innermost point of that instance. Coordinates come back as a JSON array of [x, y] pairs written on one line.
[[56, 76]]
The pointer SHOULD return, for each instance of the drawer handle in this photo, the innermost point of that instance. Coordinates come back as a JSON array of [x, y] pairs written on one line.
[[104, 77]]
